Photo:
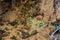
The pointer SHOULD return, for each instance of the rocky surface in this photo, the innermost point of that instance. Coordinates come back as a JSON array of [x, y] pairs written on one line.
[[13, 23]]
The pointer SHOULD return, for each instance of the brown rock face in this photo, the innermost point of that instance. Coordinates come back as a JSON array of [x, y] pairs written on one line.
[[22, 10]]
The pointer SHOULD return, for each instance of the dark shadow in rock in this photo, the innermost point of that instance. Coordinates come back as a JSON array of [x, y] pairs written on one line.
[[27, 35], [13, 23], [5, 6], [13, 38], [24, 35], [4, 12], [3, 33], [56, 23], [1, 24], [34, 32]]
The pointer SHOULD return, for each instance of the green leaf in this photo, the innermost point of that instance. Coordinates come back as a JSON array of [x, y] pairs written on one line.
[[40, 23]]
